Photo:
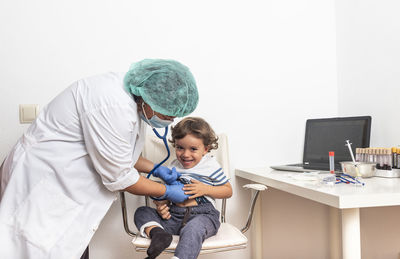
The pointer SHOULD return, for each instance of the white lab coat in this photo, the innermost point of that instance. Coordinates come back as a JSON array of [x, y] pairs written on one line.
[[61, 177]]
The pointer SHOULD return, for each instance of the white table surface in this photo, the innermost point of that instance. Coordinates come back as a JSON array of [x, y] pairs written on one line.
[[376, 192], [348, 198]]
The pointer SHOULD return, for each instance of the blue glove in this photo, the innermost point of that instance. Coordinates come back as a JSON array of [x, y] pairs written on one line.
[[169, 176], [174, 193]]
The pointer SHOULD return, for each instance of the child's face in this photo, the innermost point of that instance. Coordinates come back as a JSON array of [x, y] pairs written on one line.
[[189, 150]]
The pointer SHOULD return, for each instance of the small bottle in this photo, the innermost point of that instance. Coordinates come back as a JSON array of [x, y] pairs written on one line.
[[358, 154], [398, 157], [394, 157], [375, 155], [380, 161], [372, 155], [387, 157], [331, 162], [363, 155], [331, 179]]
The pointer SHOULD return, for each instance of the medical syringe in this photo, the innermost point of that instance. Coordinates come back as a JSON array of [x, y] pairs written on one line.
[[351, 151], [358, 175]]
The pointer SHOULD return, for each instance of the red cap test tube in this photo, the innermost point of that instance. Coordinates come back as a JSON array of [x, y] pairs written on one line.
[[331, 162]]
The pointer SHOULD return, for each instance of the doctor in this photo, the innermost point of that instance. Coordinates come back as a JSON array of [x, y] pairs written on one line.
[[62, 176]]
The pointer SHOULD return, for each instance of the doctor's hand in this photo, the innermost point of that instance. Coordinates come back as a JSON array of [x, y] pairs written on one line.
[[169, 176], [163, 209], [174, 193]]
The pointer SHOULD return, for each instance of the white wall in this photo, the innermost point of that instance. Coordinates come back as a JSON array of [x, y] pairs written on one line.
[[368, 51], [262, 68], [369, 64]]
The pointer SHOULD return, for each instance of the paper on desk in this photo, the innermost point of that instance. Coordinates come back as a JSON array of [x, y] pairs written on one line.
[[306, 176]]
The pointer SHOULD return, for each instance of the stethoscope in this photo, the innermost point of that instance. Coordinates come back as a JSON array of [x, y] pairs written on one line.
[[164, 139]]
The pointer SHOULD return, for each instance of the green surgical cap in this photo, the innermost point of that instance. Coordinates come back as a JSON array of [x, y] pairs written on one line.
[[166, 85]]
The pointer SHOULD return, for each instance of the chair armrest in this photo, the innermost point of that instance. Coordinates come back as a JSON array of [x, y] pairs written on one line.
[[124, 210], [255, 186], [125, 216], [258, 188]]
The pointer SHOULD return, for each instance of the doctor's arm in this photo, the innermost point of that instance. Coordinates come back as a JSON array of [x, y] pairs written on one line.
[[148, 187], [169, 176], [144, 165], [145, 186]]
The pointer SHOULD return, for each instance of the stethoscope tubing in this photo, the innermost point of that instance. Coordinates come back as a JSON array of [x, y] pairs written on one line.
[[164, 139]]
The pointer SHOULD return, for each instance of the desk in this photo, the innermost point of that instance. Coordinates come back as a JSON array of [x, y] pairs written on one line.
[[346, 197]]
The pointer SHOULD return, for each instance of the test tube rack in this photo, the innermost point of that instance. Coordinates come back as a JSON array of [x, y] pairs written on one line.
[[394, 173]]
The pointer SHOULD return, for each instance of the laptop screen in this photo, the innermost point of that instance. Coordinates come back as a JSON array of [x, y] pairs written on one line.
[[324, 135]]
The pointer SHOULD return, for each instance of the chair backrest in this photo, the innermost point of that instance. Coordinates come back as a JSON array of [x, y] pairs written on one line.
[[154, 150]]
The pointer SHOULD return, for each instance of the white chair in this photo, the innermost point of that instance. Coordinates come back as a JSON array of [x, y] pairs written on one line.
[[228, 237]]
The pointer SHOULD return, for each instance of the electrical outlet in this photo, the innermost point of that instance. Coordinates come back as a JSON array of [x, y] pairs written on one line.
[[28, 112]]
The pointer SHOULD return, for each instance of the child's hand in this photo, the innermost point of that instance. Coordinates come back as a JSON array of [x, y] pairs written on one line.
[[196, 189], [163, 209]]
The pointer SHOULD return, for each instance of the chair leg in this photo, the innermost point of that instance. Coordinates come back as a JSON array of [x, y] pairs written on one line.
[[251, 210]]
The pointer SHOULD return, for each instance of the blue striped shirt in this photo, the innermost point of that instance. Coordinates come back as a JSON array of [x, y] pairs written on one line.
[[207, 171]]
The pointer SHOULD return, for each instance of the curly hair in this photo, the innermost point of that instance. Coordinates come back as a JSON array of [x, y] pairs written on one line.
[[197, 127]]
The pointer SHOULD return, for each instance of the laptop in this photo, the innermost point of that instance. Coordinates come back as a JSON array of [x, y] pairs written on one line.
[[330, 134]]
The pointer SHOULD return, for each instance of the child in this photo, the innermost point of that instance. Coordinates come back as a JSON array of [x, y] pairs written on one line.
[[195, 219]]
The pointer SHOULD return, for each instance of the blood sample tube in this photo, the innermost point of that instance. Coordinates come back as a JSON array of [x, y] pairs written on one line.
[[331, 162]]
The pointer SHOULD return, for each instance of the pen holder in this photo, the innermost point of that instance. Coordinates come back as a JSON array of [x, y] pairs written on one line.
[[366, 169]]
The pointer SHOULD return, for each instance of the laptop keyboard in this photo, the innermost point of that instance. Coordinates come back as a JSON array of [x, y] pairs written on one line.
[[300, 164]]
